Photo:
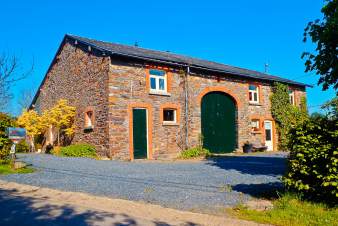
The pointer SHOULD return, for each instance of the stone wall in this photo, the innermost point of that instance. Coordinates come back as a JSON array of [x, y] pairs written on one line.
[[81, 77], [128, 88], [111, 87]]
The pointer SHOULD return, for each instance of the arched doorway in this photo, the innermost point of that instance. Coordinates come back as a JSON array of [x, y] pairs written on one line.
[[218, 121]]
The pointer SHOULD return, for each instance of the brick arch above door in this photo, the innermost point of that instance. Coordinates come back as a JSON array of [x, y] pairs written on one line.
[[219, 89]]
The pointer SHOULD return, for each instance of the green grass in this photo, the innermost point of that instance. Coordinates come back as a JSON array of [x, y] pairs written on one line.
[[290, 210], [5, 168]]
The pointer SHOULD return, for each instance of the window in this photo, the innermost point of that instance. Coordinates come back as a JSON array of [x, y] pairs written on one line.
[[292, 97], [253, 94], [255, 124], [89, 120], [169, 115], [158, 81]]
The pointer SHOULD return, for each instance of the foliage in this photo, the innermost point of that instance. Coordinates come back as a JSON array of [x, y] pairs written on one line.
[[290, 210], [33, 123], [324, 34], [5, 168], [194, 152], [313, 162], [285, 114], [4, 152], [331, 108], [61, 116], [5, 121], [22, 146], [79, 150]]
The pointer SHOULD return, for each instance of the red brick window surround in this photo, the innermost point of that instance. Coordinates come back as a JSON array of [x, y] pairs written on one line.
[[89, 118], [170, 114]]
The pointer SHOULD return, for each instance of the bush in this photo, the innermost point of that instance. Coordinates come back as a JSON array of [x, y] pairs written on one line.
[[22, 146], [312, 165], [194, 153], [79, 150], [4, 153]]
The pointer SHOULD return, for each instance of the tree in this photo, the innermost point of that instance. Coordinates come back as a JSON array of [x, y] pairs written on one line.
[[5, 122], [325, 35], [33, 124], [61, 117], [10, 73], [25, 99]]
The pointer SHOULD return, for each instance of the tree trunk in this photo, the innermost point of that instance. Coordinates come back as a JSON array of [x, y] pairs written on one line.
[[32, 144], [59, 137]]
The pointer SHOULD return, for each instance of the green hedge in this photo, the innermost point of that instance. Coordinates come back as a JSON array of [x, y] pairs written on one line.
[[194, 152], [79, 150], [313, 161]]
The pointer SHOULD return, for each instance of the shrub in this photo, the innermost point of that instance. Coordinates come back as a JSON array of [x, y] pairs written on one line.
[[79, 150], [194, 153], [4, 153], [312, 165], [22, 146]]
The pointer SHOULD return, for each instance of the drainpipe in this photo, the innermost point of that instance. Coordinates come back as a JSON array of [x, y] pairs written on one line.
[[186, 107]]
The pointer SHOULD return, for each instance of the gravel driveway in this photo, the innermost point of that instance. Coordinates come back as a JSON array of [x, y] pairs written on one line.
[[188, 185]]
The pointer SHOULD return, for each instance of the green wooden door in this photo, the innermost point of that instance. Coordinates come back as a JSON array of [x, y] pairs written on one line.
[[218, 118], [140, 133]]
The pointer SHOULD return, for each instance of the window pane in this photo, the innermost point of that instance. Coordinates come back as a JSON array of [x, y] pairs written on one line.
[[268, 135], [252, 87], [161, 81], [169, 115], [152, 83], [156, 72], [250, 96], [255, 97]]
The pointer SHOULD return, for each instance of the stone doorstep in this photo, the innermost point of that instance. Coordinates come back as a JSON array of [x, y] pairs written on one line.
[[19, 165]]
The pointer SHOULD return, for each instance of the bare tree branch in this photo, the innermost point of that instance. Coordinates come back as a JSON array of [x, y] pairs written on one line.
[[11, 72]]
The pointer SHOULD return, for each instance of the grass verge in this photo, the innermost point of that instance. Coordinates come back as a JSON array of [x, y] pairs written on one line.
[[5, 168], [292, 211]]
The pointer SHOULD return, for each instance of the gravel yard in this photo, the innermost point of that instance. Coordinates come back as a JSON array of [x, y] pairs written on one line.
[[202, 186]]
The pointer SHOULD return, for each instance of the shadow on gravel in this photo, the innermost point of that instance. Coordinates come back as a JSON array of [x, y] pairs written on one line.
[[253, 165], [28, 211]]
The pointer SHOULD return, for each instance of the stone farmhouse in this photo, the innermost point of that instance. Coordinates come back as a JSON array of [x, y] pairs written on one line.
[[138, 103]]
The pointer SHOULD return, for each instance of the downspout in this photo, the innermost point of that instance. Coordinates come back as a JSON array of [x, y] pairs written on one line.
[[186, 87]]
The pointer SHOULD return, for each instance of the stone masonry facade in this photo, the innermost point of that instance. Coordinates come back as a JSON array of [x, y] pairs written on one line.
[[111, 87]]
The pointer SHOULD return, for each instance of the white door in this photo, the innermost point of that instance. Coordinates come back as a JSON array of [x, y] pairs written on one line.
[[268, 135]]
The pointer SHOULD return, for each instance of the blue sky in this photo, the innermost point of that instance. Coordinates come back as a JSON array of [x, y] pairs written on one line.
[[242, 33]]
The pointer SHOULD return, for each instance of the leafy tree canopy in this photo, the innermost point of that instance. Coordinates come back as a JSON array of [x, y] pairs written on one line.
[[324, 33]]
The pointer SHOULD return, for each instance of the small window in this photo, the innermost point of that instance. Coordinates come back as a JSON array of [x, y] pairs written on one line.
[[89, 119], [292, 97], [169, 115], [255, 124], [158, 80], [253, 94]]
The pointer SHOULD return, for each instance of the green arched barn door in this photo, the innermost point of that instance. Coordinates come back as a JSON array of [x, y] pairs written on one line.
[[218, 118]]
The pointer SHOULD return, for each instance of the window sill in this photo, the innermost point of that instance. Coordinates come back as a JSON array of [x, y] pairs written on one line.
[[159, 93], [255, 104], [170, 124], [88, 129]]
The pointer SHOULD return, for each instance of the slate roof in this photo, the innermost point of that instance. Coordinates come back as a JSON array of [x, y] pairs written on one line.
[[176, 59]]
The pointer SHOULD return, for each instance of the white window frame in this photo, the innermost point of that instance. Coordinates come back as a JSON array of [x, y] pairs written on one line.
[[175, 115], [292, 97], [257, 126], [253, 94], [157, 83]]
